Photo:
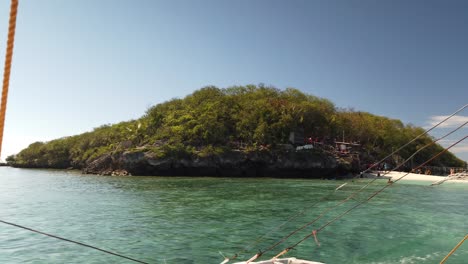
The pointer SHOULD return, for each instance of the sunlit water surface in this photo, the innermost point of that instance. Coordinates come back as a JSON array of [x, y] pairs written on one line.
[[195, 220]]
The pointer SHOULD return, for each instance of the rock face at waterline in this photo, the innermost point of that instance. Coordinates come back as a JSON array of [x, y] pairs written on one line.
[[231, 164]]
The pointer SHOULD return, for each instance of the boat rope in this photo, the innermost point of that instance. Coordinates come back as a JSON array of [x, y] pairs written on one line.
[[431, 143], [256, 256], [7, 68], [358, 191], [73, 241], [314, 232], [454, 249], [353, 194], [414, 139], [424, 147], [373, 195], [293, 217], [283, 239], [286, 250], [3, 106]]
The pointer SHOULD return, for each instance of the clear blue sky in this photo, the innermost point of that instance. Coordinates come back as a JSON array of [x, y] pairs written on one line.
[[80, 64]]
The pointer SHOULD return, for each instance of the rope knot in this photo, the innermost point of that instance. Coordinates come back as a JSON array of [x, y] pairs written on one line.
[[314, 232], [259, 254]]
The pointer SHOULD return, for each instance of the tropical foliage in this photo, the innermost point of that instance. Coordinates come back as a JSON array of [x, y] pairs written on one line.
[[212, 120]]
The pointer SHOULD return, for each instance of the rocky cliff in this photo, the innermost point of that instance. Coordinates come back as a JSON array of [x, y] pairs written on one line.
[[232, 164]]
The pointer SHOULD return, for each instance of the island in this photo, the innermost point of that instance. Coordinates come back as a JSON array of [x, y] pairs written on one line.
[[240, 131]]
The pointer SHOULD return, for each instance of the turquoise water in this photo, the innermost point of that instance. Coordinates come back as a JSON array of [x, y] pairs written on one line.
[[195, 220]]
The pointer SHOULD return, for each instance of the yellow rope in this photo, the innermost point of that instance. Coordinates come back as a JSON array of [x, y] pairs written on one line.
[[281, 253], [7, 69], [454, 249]]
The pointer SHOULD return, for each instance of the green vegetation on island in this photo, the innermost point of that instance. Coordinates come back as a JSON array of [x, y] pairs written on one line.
[[212, 121]]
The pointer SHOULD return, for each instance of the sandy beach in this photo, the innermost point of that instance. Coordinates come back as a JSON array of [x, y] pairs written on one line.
[[396, 175]]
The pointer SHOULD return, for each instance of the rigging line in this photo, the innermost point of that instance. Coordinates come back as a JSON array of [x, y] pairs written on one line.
[[388, 185], [425, 146], [365, 186], [3, 106], [454, 249], [431, 143], [355, 193], [293, 217], [420, 135], [431, 159], [345, 200], [258, 240], [318, 217], [288, 220], [7, 69], [72, 241], [372, 196], [246, 249]]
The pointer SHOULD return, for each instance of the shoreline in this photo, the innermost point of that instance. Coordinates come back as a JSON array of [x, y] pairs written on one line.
[[392, 175], [404, 176]]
